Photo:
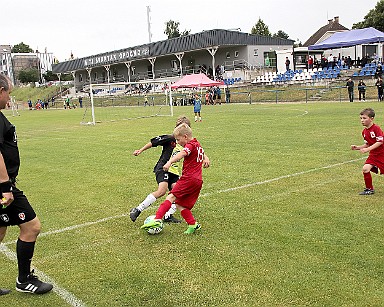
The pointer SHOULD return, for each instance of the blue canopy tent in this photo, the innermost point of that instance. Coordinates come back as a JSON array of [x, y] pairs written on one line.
[[349, 39]]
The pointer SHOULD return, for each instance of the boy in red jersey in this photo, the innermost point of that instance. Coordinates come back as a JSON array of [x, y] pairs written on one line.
[[373, 143], [187, 189]]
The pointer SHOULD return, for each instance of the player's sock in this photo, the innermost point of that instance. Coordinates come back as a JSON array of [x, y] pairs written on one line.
[[24, 251], [188, 217], [149, 200], [164, 207], [195, 118], [368, 180], [171, 211]]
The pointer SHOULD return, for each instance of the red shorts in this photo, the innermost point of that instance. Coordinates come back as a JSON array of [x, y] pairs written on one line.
[[377, 163], [187, 191]]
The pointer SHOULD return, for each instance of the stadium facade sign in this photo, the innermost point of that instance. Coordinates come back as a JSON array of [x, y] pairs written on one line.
[[126, 54]]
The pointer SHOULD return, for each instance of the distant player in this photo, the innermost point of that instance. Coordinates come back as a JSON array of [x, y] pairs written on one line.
[[373, 144], [197, 108]]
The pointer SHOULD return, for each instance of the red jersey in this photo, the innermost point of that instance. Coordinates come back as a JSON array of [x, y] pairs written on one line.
[[371, 136], [193, 161]]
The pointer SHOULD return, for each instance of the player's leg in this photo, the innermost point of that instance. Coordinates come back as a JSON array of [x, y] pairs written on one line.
[[164, 207], [168, 217], [190, 219], [162, 180], [25, 247], [3, 231], [369, 190]]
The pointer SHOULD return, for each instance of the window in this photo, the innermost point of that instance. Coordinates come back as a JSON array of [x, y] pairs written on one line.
[[80, 77], [236, 54], [228, 55], [174, 65], [256, 52]]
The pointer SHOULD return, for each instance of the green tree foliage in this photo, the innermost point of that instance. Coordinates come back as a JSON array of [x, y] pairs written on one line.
[[281, 34], [374, 18], [49, 76], [261, 28], [21, 48], [172, 29], [28, 75]]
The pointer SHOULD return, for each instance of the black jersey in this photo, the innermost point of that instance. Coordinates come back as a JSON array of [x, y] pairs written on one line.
[[169, 143], [8, 146]]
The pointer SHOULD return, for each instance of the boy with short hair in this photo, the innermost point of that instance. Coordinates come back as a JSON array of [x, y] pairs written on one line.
[[187, 189], [373, 144]]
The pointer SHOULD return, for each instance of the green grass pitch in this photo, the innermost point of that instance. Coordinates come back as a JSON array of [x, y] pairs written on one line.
[[282, 221]]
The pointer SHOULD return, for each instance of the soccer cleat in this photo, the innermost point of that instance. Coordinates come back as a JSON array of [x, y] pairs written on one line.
[[367, 192], [4, 291], [134, 214], [152, 224], [192, 228], [33, 285], [171, 219]]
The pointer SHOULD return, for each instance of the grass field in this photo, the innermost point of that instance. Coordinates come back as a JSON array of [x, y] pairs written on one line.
[[282, 221]]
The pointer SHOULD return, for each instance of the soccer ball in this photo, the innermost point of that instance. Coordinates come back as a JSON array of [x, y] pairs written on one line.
[[156, 230]]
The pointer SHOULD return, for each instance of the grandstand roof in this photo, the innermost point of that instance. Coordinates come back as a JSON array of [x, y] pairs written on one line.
[[192, 42], [332, 27]]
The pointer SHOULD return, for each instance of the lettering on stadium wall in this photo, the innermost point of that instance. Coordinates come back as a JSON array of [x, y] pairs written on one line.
[[119, 56]]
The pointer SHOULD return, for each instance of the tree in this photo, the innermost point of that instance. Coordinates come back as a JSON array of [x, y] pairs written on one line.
[[374, 18], [28, 75], [281, 34], [21, 48], [49, 76], [261, 28], [172, 29]]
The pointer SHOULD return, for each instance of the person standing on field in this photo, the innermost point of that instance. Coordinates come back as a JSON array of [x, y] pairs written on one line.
[[15, 208]]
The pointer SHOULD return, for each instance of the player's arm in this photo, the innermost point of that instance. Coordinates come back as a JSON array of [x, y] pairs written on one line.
[[174, 159], [206, 161], [145, 147], [372, 147], [356, 147], [5, 184]]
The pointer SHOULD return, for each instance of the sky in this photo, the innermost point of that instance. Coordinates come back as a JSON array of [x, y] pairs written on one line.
[[90, 27]]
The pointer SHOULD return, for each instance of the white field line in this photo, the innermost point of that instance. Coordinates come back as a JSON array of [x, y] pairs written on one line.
[[64, 294], [281, 177], [71, 299]]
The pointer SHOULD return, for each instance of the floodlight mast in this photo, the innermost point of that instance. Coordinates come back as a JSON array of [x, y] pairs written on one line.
[[149, 23]]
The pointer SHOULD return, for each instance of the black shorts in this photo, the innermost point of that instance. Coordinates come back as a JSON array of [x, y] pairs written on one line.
[[163, 176], [18, 212]]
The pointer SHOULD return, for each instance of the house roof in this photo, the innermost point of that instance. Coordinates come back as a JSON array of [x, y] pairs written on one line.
[[332, 26], [192, 42]]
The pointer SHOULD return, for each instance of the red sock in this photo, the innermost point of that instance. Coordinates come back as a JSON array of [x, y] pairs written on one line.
[[188, 217], [164, 207], [368, 180]]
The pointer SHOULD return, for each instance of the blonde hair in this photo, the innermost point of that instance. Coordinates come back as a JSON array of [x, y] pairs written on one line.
[[183, 120], [182, 129]]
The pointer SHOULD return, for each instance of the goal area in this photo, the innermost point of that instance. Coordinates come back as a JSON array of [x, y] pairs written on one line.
[[108, 102]]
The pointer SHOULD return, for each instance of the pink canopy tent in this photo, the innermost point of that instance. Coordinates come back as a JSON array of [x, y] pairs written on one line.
[[195, 80]]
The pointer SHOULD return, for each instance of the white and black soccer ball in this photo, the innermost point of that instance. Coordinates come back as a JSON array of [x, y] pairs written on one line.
[[153, 231]]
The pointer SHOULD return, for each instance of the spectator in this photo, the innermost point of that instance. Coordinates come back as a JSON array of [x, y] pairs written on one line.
[[379, 71], [227, 95], [361, 88], [379, 85], [287, 63], [310, 62], [350, 87]]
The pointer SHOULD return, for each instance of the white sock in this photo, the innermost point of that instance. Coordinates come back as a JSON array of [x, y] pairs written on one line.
[[149, 200], [195, 118], [171, 211]]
